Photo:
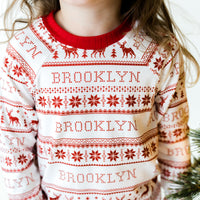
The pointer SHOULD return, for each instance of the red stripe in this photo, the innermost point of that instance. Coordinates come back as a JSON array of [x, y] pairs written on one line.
[[17, 170], [173, 142], [83, 112], [27, 195], [98, 142], [175, 165], [178, 103], [108, 165], [168, 89], [94, 191], [17, 130], [16, 104]]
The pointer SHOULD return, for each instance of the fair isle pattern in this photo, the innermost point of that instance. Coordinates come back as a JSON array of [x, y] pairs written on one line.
[[34, 193], [106, 121]]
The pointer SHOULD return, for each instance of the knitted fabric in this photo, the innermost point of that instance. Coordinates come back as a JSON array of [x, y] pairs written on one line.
[[90, 118]]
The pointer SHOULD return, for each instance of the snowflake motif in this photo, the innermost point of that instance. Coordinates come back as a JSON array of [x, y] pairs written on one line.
[[153, 146], [146, 100], [75, 101], [8, 161], [166, 172], [95, 155], [22, 159], [42, 101], [57, 102], [158, 63], [94, 100], [77, 156], [113, 155], [17, 70], [131, 100], [145, 152], [60, 154], [177, 132], [113, 100], [130, 154]]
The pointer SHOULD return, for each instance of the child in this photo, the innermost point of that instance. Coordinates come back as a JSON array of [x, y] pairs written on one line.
[[97, 88]]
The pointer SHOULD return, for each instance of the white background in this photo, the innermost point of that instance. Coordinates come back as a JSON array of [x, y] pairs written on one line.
[[187, 16]]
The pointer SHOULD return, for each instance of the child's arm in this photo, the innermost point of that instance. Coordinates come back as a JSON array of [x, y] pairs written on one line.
[[174, 153], [19, 125]]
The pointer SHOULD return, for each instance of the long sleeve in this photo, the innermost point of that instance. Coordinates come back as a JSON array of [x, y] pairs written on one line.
[[19, 125], [174, 151], [93, 112]]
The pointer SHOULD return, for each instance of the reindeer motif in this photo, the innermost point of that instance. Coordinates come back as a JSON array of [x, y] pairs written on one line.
[[69, 51], [98, 51], [126, 51], [12, 118]]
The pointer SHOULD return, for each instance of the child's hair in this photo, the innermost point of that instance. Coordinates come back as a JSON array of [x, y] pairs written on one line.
[[152, 15]]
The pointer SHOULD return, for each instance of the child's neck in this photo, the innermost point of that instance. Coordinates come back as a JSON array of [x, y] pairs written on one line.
[[89, 20]]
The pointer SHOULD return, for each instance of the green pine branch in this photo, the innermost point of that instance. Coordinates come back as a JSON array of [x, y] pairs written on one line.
[[195, 137], [188, 183]]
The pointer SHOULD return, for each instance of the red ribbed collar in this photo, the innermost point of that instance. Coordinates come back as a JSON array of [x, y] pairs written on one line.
[[93, 42]]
